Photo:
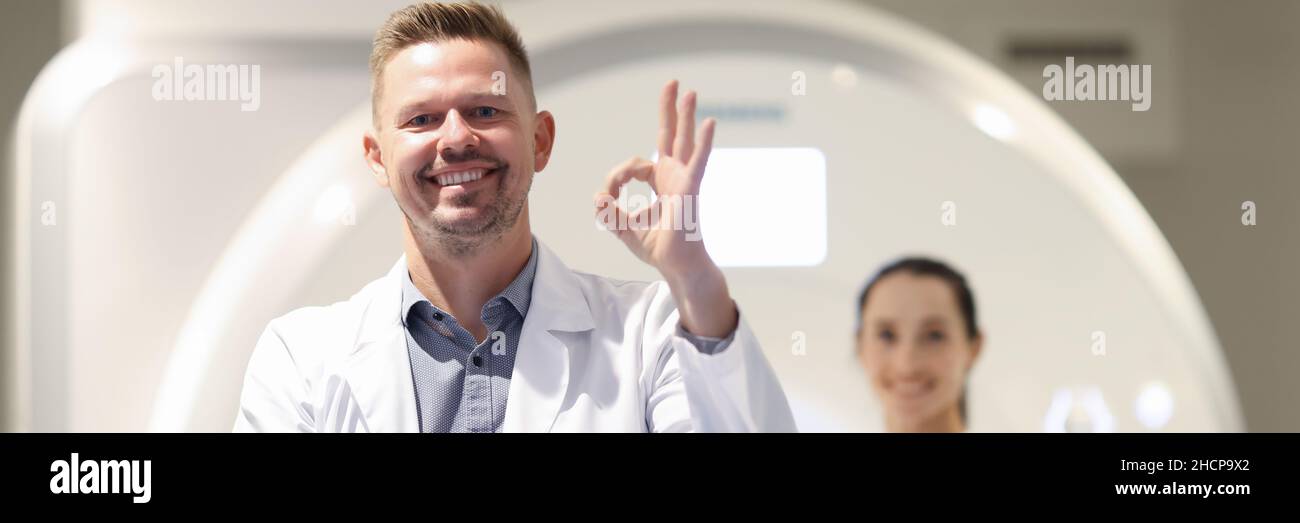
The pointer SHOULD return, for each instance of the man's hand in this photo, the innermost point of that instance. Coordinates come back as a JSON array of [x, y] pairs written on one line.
[[696, 282]]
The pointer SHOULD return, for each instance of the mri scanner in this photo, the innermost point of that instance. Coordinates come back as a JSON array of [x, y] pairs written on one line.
[[154, 240]]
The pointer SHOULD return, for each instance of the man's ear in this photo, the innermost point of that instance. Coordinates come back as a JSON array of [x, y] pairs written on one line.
[[375, 157], [543, 140]]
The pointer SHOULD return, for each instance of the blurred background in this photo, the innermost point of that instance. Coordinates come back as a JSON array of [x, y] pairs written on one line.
[[148, 242]]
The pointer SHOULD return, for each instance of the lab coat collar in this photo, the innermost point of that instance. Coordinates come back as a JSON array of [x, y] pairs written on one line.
[[379, 366]]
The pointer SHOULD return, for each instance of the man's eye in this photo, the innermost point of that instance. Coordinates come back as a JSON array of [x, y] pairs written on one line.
[[935, 336], [886, 336], [485, 112], [420, 120]]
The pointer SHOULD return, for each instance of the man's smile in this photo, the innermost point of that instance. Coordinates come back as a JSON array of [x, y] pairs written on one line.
[[459, 177], [463, 176]]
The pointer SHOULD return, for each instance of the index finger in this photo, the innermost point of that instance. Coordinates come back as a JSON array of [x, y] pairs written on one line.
[[632, 169]]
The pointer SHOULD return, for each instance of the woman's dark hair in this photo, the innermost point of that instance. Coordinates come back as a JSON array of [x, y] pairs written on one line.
[[919, 266]]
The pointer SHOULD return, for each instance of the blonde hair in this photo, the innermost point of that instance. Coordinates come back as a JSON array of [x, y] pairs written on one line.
[[437, 22]]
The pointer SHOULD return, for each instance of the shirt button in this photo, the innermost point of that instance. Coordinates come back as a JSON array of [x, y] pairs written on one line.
[[443, 330], [478, 361], [437, 316]]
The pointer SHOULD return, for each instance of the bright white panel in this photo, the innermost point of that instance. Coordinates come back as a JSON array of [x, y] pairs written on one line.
[[765, 207]]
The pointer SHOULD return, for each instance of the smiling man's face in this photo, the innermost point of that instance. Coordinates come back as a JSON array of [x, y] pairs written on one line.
[[457, 153]]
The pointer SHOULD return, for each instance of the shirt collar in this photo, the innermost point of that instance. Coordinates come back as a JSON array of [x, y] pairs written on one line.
[[518, 294]]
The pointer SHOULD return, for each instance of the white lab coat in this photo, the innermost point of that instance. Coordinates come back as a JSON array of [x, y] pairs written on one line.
[[595, 355]]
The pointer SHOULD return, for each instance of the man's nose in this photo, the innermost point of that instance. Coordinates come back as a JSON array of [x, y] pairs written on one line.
[[457, 135]]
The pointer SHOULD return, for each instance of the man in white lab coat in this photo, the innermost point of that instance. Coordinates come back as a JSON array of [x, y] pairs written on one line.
[[479, 327]]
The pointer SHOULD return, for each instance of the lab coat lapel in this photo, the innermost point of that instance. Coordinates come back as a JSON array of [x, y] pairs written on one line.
[[541, 374], [378, 371]]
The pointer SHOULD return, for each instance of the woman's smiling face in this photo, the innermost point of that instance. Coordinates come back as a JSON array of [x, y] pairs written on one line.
[[915, 347]]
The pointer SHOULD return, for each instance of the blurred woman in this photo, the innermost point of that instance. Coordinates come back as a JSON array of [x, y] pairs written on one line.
[[917, 339]]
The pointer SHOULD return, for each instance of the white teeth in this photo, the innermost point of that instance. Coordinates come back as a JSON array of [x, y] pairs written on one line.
[[460, 177]]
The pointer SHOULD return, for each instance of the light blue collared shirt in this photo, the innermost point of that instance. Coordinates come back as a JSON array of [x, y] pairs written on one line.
[[461, 384]]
